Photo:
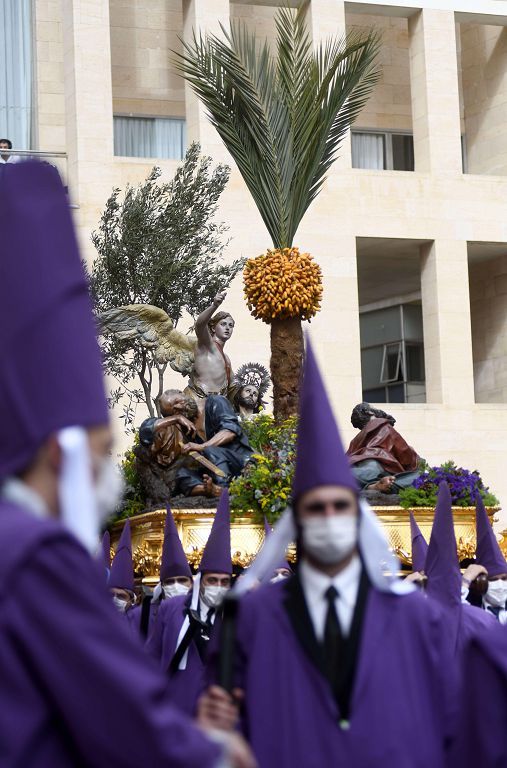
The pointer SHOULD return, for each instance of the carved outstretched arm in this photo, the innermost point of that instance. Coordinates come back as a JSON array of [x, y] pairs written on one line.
[[201, 324], [221, 438], [178, 419]]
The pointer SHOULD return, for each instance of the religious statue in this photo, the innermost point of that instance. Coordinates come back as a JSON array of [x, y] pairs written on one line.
[[380, 458], [251, 383], [203, 467], [200, 357]]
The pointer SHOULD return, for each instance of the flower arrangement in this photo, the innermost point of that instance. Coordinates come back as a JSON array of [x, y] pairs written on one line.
[[265, 485], [281, 284], [464, 484]]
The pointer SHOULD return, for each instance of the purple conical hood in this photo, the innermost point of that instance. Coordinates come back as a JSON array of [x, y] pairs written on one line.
[[488, 552], [267, 532], [419, 546], [320, 458], [174, 561], [122, 570], [442, 565], [106, 549], [217, 552], [50, 365]]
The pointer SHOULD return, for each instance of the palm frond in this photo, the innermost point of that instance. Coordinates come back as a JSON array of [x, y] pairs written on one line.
[[281, 115]]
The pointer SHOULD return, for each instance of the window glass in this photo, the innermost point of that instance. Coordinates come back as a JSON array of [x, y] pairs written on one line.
[[158, 137], [392, 369], [414, 354], [412, 322], [396, 394], [371, 366], [380, 326], [403, 152], [368, 150]]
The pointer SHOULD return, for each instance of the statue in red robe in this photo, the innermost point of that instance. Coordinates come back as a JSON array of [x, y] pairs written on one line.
[[379, 456]]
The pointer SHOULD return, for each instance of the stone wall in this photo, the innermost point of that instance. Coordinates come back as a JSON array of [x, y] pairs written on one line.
[[488, 305], [143, 35]]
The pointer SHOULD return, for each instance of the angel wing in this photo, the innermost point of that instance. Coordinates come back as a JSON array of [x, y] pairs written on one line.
[[153, 329]]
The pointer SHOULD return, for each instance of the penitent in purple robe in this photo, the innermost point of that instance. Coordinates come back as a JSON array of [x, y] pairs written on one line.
[[184, 686], [402, 699], [482, 736], [75, 688]]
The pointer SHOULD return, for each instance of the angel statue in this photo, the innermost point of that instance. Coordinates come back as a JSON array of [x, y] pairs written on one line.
[[251, 383], [201, 357]]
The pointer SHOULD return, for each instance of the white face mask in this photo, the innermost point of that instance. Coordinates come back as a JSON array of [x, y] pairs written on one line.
[[213, 596], [108, 487], [496, 595], [329, 539], [175, 590], [120, 604]]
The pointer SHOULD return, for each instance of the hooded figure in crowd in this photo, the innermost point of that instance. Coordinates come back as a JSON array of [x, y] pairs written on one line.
[[489, 555], [340, 664], [121, 582], [175, 576], [185, 624], [72, 677]]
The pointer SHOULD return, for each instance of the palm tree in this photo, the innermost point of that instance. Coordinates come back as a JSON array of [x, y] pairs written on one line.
[[282, 116]]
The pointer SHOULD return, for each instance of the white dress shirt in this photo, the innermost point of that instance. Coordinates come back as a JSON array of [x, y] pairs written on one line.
[[315, 585], [10, 159], [17, 492]]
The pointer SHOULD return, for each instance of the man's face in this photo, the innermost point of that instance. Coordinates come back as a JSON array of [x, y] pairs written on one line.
[[327, 501], [123, 594], [249, 396], [500, 577], [212, 579], [224, 328], [3, 146], [327, 517], [173, 403]]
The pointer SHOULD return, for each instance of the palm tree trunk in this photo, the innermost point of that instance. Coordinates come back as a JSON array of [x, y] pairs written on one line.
[[287, 349]]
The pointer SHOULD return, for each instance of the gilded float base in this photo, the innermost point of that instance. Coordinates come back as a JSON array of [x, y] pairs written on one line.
[[194, 526]]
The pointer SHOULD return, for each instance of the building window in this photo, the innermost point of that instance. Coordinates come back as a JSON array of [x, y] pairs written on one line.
[[392, 355], [157, 137], [16, 114], [383, 150]]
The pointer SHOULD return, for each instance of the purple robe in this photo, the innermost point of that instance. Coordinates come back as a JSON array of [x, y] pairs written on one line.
[[482, 736], [132, 619], [473, 621], [184, 686], [402, 699], [75, 689]]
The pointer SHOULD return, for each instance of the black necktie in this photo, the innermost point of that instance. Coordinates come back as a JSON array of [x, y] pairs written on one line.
[[495, 611], [209, 616], [332, 637]]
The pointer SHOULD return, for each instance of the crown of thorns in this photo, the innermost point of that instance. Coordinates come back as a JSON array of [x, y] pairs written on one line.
[[256, 374]]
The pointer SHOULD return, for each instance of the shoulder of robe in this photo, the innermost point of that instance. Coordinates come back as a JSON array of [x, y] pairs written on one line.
[[21, 537], [493, 645], [171, 609]]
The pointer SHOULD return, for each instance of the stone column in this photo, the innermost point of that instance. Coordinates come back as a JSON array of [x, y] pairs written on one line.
[[434, 90], [88, 101], [446, 320], [325, 19], [203, 16]]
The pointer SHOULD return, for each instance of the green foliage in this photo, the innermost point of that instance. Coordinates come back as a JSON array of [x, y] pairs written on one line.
[[282, 116], [133, 500], [463, 484], [265, 485], [160, 244]]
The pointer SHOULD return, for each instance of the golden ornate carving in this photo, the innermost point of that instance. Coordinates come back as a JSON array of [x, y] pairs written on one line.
[[194, 526]]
